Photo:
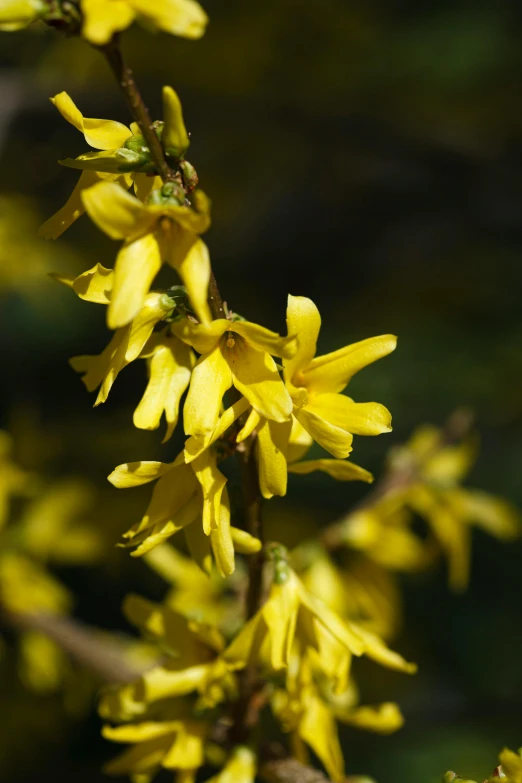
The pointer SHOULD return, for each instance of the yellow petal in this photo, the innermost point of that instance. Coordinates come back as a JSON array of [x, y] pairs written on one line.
[[511, 765], [376, 649], [95, 285], [137, 264], [211, 378], [161, 683], [333, 371], [359, 418], [255, 376], [494, 515], [198, 545], [335, 440], [187, 751], [244, 543], [170, 368], [144, 184], [194, 271], [17, 14], [71, 211], [139, 732], [174, 138], [341, 470], [101, 134], [117, 212], [134, 474], [249, 426], [101, 20], [264, 340], [383, 718], [202, 337], [272, 444], [300, 441], [318, 729], [221, 540], [212, 484], [280, 615], [185, 18], [103, 369], [303, 319], [194, 446]]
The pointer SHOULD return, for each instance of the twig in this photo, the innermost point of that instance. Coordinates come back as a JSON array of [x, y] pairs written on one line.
[[289, 770], [402, 476], [103, 657]]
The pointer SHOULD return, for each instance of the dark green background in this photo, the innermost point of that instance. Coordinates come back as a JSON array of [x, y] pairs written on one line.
[[367, 154]]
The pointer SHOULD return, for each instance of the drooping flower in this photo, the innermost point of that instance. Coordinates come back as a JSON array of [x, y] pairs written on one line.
[[104, 18], [239, 354], [107, 135], [163, 230], [291, 615]]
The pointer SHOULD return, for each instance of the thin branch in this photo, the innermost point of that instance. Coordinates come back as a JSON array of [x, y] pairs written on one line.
[[289, 770], [402, 476], [102, 656]]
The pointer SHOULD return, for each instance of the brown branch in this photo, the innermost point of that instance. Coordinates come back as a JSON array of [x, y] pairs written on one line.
[[402, 476], [138, 109], [289, 770], [103, 657]]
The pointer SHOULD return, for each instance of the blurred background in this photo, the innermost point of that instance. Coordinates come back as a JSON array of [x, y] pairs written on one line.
[[367, 154]]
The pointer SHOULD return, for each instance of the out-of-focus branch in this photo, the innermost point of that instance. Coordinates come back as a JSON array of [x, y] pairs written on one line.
[[102, 656], [399, 476], [289, 770]]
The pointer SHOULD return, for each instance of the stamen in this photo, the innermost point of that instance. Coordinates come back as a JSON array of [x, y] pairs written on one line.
[[230, 340]]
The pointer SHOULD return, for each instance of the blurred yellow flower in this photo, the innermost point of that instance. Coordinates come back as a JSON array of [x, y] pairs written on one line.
[[104, 18], [17, 14], [153, 233], [239, 768], [292, 614], [511, 763], [239, 354]]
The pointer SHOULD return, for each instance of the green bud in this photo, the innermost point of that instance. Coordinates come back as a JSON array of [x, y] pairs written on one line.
[[235, 317], [175, 138], [170, 194], [281, 572], [137, 143], [189, 174]]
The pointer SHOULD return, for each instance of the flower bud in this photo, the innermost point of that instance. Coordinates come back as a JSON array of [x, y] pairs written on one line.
[[189, 174], [174, 138], [16, 14]]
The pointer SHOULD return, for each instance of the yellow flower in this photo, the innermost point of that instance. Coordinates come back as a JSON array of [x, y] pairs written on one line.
[[17, 14], [170, 744], [153, 233], [104, 18], [239, 354], [316, 382], [511, 763], [292, 614], [107, 135], [239, 768], [49, 530], [190, 650], [191, 497], [364, 592], [382, 718], [13, 480], [27, 587], [449, 509]]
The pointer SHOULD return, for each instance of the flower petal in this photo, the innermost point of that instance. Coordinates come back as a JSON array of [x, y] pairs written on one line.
[[71, 210], [185, 18], [319, 730], [303, 319], [264, 340], [144, 184], [101, 134], [359, 418], [341, 470], [333, 371], [170, 367], [134, 474], [255, 375], [272, 444], [101, 20], [195, 445], [335, 440], [202, 337], [137, 264], [221, 540], [383, 718], [211, 378], [212, 483], [116, 212], [95, 285], [194, 271]]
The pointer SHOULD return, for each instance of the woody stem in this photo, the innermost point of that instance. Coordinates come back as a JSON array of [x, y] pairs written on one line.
[[125, 78]]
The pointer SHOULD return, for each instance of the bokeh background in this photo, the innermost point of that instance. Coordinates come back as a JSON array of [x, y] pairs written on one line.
[[366, 153]]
